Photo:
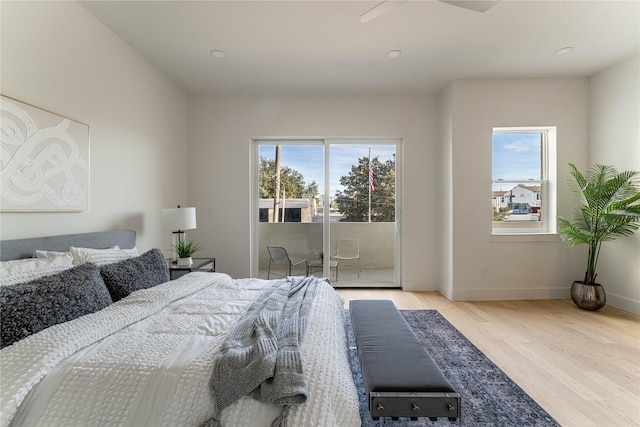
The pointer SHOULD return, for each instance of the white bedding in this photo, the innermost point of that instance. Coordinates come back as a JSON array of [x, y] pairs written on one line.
[[147, 360]]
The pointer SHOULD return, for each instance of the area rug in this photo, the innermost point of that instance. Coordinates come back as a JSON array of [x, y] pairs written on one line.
[[489, 397]]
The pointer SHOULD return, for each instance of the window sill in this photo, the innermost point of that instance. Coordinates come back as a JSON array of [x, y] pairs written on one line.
[[514, 237]]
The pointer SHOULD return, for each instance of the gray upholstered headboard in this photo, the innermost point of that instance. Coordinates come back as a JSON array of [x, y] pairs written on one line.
[[24, 248]]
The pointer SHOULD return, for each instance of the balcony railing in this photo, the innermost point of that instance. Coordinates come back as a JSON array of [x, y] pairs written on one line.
[[304, 240]]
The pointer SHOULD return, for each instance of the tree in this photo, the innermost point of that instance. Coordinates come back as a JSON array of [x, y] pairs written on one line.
[[353, 202], [291, 181], [312, 189]]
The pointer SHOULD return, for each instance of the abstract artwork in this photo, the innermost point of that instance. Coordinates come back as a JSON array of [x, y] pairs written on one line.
[[44, 160]]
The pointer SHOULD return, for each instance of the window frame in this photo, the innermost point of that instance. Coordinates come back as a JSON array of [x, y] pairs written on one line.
[[547, 183], [327, 143]]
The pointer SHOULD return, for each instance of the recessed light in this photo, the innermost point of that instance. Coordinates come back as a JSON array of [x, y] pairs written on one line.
[[218, 54], [563, 51], [394, 54]]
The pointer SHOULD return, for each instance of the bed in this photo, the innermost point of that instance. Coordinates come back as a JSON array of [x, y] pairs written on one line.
[[109, 340]]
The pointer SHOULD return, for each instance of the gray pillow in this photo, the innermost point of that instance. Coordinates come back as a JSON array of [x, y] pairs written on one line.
[[147, 270], [30, 307]]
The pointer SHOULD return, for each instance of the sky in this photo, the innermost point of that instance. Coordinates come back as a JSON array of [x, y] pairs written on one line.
[[516, 156], [309, 160]]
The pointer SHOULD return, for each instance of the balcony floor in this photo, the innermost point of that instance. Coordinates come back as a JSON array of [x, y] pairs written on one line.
[[347, 277]]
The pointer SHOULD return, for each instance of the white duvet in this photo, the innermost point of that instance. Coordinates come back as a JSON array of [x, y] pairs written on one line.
[[147, 361]]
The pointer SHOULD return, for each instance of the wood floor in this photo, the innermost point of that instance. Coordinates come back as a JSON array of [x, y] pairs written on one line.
[[582, 367]]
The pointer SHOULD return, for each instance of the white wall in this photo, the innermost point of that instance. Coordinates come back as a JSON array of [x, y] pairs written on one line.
[[615, 141], [57, 56], [445, 195], [469, 111], [221, 132]]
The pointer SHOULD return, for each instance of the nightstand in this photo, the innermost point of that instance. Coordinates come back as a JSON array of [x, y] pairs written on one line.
[[176, 270]]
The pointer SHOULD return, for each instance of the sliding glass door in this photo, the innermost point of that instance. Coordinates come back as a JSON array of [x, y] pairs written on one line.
[[289, 205], [330, 206]]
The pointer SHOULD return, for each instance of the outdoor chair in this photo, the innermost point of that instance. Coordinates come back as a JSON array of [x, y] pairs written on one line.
[[319, 265], [278, 255], [349, 249]]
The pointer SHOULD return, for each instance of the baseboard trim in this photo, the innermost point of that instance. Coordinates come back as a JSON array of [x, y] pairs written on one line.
[[623, 303], [509, 294], [420, 286], [499, 294]]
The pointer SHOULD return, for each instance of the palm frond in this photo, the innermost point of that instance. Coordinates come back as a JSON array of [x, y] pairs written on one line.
[[610, 209]]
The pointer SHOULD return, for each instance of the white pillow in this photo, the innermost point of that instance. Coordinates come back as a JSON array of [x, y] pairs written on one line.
[[133, 252], [50, 254], [25, 270], [101, 256]]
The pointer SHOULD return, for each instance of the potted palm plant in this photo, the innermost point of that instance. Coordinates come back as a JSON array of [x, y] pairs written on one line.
[[184, 249], [610, 209]]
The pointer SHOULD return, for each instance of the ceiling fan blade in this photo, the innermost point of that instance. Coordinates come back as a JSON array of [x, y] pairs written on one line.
[[477, 5], [385, 5], [380, 9]]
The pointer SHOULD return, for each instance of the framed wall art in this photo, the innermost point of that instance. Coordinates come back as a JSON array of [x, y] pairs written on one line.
[[44, 160]]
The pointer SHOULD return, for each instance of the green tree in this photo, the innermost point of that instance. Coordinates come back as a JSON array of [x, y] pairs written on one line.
[[498, 215], [353, 202], [291, 181], [312, 189]]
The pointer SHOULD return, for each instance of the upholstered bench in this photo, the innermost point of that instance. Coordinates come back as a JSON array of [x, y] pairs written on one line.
[[400, 378]]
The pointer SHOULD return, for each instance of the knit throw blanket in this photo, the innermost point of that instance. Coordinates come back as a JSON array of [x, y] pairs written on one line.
[[261, 356]]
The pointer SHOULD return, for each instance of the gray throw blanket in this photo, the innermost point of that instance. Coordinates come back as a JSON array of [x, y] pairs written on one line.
[[261, 356]]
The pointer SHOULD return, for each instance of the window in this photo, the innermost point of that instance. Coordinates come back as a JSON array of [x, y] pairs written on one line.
[[289, 215], [293, 215], [522, 177], [264, 215]]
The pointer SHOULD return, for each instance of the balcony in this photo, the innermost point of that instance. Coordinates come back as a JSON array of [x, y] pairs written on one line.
[[304, 240]]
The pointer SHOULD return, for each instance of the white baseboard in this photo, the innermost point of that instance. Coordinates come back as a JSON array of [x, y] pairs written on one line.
[[623, 303], [509, 294], [420, 286], [499, 294]]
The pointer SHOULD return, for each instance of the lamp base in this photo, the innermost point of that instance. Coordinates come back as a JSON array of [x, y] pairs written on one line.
[[178, 236]]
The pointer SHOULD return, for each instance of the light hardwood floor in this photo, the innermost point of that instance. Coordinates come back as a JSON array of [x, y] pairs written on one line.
[[582, 367]]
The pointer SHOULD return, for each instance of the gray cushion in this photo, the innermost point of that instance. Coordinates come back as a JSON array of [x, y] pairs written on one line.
[[391, 355], [30, 307], [147, 270]]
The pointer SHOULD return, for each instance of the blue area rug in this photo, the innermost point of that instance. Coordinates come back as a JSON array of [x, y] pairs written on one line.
[[489, 397]]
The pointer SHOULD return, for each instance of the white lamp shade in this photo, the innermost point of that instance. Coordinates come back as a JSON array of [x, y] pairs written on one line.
[[177, 219]]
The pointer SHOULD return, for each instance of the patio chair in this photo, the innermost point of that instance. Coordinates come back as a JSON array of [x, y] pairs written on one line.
[[349, 249], [278, 255], [319, 265]]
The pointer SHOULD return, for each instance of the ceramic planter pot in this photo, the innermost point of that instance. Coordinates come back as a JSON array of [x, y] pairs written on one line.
[[589, 297], [185, 261]]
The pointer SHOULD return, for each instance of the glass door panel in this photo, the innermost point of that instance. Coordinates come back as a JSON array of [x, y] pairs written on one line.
[[362, 181], [290, 205]]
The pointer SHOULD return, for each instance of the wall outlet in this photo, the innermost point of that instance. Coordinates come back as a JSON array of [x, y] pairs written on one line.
[[484, 272]]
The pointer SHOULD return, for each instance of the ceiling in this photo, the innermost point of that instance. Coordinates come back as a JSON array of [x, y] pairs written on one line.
[[321, 47]]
